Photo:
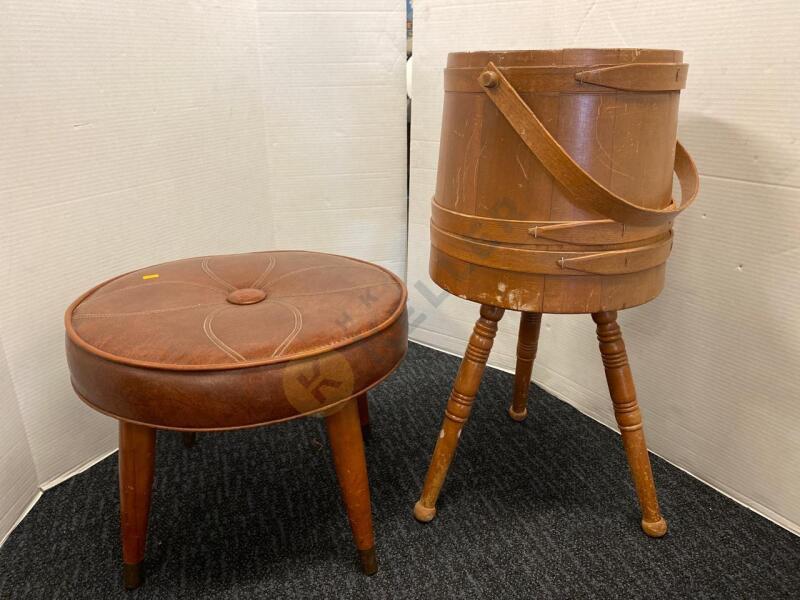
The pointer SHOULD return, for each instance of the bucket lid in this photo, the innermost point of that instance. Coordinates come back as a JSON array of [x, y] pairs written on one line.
[[564, 56]]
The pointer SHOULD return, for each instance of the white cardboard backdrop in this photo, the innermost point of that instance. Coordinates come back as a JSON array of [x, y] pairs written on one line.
[[139, 132], [715, 356]]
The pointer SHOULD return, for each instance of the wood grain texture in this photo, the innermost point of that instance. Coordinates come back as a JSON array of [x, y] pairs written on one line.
[[136, 463], [556, 197], [638, 77], [731, 248], [527, 343], [545, 178], [458, 408], [347, 448], [363, 411], [629, 419], [584, 190]]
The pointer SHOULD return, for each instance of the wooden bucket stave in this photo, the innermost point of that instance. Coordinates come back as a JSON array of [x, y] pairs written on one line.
[[554, 189]]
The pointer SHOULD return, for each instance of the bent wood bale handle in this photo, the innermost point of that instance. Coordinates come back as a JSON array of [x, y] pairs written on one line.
[[585, 191]]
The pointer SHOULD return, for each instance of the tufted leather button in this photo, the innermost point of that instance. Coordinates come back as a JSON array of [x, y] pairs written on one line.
[[246, 296]]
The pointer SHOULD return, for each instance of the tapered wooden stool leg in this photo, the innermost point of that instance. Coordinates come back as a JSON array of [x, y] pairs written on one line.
[[458, 408], [136, 460], [347, 447], [528, 341], [629, 419], [363, 414]]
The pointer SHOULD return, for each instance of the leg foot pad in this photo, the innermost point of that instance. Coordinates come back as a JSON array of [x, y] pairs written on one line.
[[369, 562], [423, 514], [517, 416], [655, 529], [131, 575]]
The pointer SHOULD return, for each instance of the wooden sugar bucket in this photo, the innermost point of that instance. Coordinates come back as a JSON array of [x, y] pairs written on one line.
[[555, 178]]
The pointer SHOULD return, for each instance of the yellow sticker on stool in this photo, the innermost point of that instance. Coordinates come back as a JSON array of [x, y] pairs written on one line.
[[153, 276]]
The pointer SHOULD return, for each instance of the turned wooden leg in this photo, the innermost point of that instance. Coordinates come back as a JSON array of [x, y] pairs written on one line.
[[529, 324], [458, 408], [189, 438], [629, 419], [347, 447], [136, 460], [363, 414]]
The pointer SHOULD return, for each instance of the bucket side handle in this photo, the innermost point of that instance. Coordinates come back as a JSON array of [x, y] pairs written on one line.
[[584, 190]]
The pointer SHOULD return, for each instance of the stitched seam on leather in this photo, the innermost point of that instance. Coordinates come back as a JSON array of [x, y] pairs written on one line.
[[274, 281], [298, 325], [207, 270], [355, 287], [215, 340], [141, 312], [271, 262], [333, 343]]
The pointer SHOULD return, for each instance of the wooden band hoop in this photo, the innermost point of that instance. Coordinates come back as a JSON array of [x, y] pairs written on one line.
[[553, 262], [584, 190]]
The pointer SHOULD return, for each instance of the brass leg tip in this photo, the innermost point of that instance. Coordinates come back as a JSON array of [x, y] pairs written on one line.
[[131, 575], [517, 416], [422, 513], [655, 529], [369, 562]]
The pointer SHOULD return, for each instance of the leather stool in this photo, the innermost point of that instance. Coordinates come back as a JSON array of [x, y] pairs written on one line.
[[227, 342]]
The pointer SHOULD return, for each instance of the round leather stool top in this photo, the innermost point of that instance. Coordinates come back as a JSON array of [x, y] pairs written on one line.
[[223, 342]]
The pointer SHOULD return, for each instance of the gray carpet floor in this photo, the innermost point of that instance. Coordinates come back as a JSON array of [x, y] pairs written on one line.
[[542, 509]]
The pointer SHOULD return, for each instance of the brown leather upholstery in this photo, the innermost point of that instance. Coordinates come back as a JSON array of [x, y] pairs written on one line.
[[234, 341]]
